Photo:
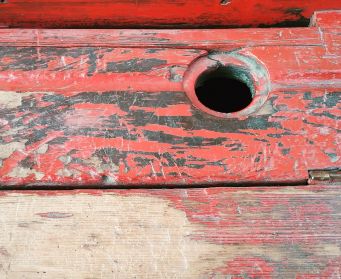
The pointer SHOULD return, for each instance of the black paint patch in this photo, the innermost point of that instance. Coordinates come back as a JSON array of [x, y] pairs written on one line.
[[135, 65], [25, 120], [24, 59], [51, 118], [59, 140], [294, 11], [188, 141], [285, 151], [329, 100], [92, 62], [298, 19], [28, 162]]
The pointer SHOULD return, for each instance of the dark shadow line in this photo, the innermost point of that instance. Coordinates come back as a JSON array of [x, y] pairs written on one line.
[[152, 187]]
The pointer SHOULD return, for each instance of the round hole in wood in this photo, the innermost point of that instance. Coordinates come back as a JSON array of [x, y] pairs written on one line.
[[227, 85], [224, 89]]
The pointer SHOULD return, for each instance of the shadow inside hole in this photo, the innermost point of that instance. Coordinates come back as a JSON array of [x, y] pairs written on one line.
[[225, 89]]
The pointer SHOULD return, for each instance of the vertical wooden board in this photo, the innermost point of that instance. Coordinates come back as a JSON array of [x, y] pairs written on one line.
[[288, 232]]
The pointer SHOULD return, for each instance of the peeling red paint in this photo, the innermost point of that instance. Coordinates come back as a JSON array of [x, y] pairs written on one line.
[[55, 215], [118, 115], [248, 267], [256, 215]]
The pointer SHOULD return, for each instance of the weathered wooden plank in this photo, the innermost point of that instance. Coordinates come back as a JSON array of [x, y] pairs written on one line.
[[180, 13], [326, 18], [119, 116], [287, 232], [208, 39]]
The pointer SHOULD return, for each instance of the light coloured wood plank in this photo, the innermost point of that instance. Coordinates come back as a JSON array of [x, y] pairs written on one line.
[[289, 232]]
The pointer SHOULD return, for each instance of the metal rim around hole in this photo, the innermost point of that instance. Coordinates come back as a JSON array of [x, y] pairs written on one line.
[[255, 76]]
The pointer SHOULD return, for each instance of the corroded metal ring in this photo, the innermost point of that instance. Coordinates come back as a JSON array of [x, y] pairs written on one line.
[[247, 69]]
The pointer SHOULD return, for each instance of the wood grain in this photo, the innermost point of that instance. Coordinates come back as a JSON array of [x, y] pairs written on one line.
[[287, 232], [105, 116], [208, 39]]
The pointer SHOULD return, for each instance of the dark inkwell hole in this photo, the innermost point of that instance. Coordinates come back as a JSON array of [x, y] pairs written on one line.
[[224, 89], [3, 1]]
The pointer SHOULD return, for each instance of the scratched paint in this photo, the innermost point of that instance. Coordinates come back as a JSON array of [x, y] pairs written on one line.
[[264, 232], [104, 115]]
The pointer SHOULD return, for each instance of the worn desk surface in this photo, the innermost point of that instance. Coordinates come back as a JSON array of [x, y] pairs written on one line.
[[108, 109], [115, 108], [271, 232]]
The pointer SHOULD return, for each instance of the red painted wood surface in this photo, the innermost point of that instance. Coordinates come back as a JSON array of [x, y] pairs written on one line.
[[108, 107], [257, 232], [138, 13]]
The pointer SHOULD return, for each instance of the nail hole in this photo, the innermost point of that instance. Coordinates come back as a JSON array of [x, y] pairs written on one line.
[[224, 89]]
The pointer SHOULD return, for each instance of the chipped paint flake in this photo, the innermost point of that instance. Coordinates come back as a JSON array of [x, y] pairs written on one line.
[[20, 172], [10, 99], [6, 150]]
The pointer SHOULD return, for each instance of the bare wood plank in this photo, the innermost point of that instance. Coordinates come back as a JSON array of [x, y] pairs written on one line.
[[290, 232]]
